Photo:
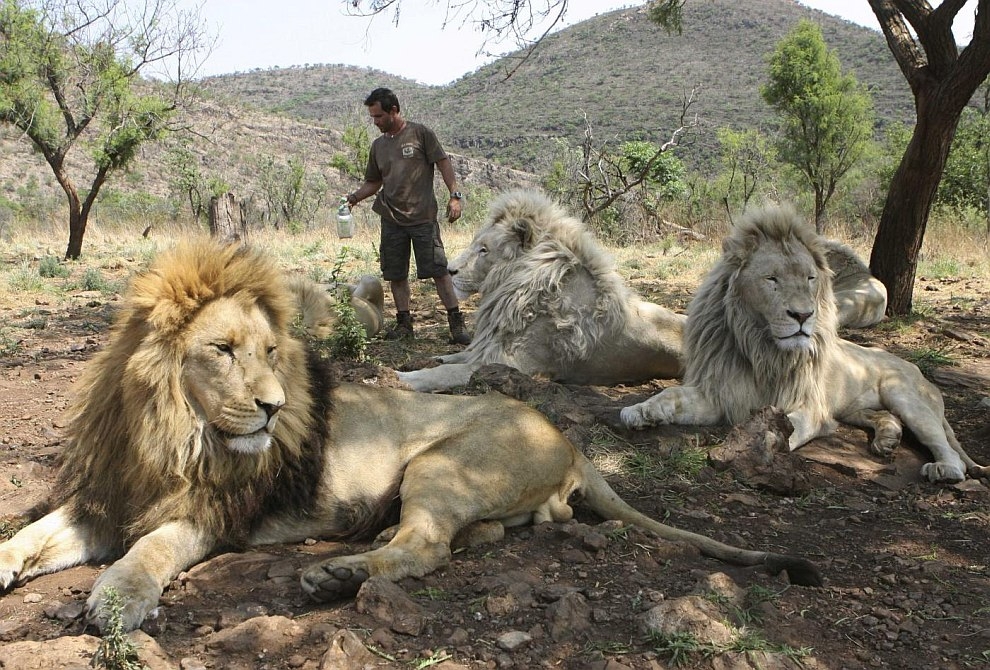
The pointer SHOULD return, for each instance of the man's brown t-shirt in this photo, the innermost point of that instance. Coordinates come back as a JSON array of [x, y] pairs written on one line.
[[405, 166]]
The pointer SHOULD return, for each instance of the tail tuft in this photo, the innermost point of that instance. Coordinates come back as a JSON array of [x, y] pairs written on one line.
[[800, 571]]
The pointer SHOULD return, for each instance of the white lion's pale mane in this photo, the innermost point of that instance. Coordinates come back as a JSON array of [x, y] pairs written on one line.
[[539, 284], [728, 355]]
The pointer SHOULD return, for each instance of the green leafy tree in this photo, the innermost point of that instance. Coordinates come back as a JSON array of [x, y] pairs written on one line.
[[188, 182], [943, 79], [293, 195], [826, 116], [663, 172], [748, 158], [358, 143], [966, 181], [70, 75]]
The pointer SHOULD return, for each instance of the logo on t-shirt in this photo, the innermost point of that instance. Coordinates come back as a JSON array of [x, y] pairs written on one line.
[[408, 151]]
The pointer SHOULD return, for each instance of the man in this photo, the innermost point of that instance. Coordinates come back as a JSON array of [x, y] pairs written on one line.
[[400, 171]]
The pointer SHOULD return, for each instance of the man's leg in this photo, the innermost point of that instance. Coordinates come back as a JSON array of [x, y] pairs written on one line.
[[445, 289], [455, 319], [394, 253], [401, 294]]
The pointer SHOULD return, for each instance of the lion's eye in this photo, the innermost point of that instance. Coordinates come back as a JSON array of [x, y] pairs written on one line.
[[272, 352], [483, 250], [224, 348], [772, 280]]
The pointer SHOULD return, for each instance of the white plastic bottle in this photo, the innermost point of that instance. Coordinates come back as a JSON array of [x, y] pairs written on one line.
[[345, 221]]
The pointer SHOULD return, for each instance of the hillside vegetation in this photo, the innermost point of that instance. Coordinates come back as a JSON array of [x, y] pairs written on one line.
[[624, 73]]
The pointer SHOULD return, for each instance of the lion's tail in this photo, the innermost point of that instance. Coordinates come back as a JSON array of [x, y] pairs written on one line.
[[604, 501]]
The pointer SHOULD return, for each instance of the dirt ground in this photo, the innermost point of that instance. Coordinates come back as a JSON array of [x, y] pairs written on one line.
[[906, 563]]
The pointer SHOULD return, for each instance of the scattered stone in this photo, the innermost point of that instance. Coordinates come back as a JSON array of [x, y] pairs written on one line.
[[513, 640], [390, 605], [757, 453], [64, 611], [569, 615], [347, 652], [270, 633], [689, 615]]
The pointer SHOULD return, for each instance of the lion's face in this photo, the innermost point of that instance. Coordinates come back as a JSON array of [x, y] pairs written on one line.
[[228, 373], [493, 244], [782, 286]]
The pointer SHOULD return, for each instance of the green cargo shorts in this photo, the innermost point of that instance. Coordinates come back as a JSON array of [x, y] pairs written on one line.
[[424, 238]]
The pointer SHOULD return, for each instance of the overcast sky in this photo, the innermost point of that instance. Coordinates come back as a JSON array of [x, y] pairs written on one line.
[[427, 45]]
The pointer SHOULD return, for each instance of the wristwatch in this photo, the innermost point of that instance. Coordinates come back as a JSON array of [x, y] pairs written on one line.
[[456, 195]]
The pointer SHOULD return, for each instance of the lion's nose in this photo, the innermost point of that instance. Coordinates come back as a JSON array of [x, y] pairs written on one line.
[[270, 408], [800, 317]]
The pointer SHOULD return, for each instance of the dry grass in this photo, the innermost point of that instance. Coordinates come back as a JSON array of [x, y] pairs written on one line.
[[665, 270]]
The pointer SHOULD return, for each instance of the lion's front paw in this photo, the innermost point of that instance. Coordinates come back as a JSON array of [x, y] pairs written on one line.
[[333, 580], [131, 595], [10, 569], [635, 416], [940, 471]]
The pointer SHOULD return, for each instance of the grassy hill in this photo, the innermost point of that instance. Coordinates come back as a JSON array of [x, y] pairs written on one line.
[[618, 70], [622, 72]]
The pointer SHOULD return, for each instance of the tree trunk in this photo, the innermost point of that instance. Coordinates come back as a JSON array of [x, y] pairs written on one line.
[[894, 260], [77, 228], [226, 222]]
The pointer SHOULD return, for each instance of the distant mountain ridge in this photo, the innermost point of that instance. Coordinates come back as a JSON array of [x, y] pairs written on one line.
[[618, 69]]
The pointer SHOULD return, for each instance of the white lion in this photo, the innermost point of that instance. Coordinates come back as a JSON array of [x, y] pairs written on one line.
[[553, 304], [762, 331], [860, 297], [317, 304]]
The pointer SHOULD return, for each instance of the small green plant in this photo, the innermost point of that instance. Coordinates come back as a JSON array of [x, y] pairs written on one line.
[[941, 268], [686, 462], [24, 280], [51, 267], [431, 592], [116, 651], [677, 647], [681, 646], [9, 527], [93, 280], [751, 640], [9, 345], [349, 340], [434, 659], [927, 359]]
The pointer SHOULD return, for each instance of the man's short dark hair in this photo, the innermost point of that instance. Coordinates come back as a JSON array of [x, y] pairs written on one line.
[[385, 98]]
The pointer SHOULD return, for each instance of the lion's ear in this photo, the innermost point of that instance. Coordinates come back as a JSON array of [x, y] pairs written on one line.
[[523, 229], [737, 248]]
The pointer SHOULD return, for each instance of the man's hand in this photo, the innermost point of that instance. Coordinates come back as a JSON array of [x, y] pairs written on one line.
[[453, 209]]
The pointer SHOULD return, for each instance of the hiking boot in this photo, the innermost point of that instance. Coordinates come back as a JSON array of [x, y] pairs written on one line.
[[403, 328], [458, 333]]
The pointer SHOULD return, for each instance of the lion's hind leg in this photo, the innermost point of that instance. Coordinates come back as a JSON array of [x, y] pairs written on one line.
[[50, 544], [437, 503], [973, 469], [931, 430]]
